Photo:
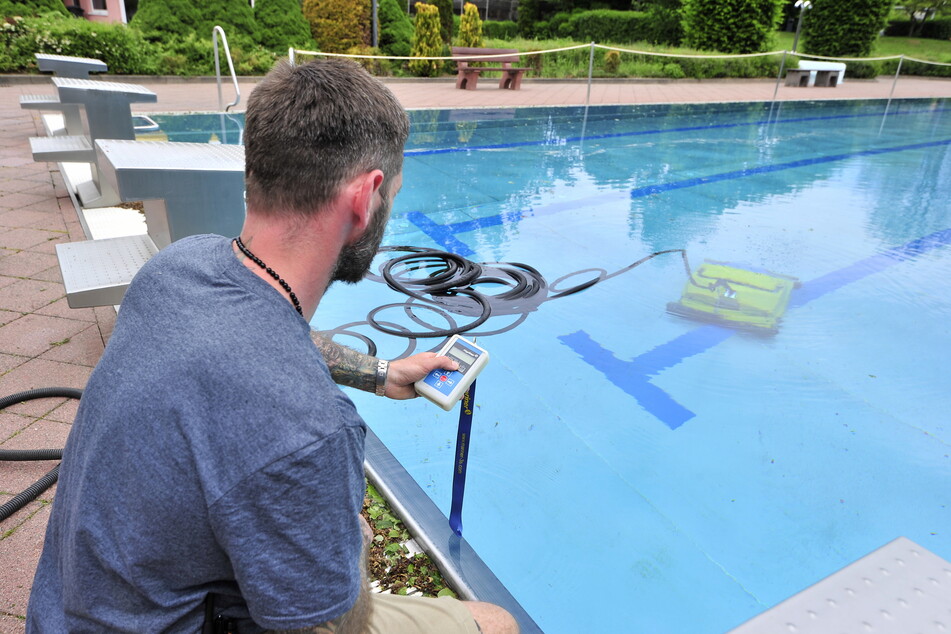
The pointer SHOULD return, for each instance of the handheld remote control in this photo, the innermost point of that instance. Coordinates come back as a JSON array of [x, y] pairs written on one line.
[[444, 387]]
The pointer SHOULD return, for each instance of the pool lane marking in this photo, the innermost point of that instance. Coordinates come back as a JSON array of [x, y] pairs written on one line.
[[633, 377], [445, 234], [617, 135]]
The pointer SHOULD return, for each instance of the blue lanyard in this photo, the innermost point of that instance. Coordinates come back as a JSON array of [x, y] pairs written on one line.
[[462, 456]]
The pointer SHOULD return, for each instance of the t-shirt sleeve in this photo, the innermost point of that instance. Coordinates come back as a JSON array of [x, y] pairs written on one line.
[[292, 533]]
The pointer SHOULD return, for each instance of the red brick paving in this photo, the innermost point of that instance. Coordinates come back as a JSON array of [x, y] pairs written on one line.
[[45, 343]]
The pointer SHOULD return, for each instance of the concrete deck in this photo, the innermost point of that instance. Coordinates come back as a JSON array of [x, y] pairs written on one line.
[[44, 343]]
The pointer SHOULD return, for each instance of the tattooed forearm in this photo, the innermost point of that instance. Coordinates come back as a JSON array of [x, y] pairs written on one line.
[[347, 366]]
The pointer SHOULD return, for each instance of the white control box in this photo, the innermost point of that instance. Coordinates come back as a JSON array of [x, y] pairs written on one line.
[[444, 387]]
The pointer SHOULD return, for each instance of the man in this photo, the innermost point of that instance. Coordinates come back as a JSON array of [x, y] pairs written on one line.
[[213, 465]]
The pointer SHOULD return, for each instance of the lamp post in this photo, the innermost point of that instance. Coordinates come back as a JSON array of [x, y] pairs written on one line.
[[803, 5]]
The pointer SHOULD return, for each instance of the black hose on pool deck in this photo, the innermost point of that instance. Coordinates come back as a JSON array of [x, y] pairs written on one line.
[[11, 455]]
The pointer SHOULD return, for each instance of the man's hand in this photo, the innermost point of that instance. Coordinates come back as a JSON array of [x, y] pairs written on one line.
[[404, 372]]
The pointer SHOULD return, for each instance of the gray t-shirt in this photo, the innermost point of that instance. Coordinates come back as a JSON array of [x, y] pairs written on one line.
[[211, 453]]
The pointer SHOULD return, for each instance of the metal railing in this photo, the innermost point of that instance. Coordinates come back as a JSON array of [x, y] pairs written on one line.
[[234, 77]]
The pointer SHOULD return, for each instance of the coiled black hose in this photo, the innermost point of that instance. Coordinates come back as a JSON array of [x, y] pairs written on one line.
[[12, 455]]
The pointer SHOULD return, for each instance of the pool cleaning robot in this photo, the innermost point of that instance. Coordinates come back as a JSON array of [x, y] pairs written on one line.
[[728, 295]]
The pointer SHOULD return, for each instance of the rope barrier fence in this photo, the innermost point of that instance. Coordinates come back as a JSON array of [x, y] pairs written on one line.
[[294, 53]]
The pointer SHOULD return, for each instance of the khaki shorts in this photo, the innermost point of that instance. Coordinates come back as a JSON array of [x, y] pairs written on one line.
[[393, 614]]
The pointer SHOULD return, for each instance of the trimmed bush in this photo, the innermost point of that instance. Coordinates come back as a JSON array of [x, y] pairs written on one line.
[[338, 25], [158, 19], [502, 30], [396, 29], [426, 41], [31, 8], [281, 24], [843, 28], [730, 26], [470, 27]]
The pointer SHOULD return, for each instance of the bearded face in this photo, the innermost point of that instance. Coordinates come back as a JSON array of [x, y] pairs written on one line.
[[355, 259]]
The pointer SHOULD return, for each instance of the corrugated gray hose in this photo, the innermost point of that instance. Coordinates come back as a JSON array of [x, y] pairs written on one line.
[[33, 491]]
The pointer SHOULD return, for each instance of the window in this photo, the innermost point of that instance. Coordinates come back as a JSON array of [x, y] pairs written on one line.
[[99, 5]]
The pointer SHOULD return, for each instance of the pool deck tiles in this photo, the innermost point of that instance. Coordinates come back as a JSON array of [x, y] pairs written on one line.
[[44, 343]]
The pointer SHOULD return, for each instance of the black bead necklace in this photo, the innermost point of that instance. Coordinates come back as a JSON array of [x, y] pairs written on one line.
[[271, 272]]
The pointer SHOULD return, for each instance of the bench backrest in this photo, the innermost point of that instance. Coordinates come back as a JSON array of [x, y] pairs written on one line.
[[475, 53]]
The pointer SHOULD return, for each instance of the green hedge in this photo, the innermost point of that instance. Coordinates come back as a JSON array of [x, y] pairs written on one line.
[[604, 25], [930, 30], [31, 8], [396, 28], [124, 50]]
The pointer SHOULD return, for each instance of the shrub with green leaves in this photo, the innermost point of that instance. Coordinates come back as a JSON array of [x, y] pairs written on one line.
[[124, 50], [159, 19], [843, 28], [396, 29], [338, 25], [31, 8], [426, 41], [281, 25], [730, 26], [470, 27]]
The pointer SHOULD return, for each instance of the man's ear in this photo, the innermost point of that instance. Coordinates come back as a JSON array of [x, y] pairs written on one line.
[[364, 190]]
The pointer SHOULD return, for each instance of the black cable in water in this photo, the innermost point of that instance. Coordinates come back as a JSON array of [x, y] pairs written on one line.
[[449, 285], [15, 455]]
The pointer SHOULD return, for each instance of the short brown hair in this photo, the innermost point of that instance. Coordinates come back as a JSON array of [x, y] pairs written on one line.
[[311, 128]]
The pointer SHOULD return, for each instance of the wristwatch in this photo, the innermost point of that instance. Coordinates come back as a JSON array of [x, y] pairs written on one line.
[[381, 369]]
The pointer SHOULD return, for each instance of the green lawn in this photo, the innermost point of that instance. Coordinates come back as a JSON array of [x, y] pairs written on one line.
[[930, 50]]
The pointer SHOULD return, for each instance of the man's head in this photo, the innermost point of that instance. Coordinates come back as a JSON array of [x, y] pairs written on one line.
[[312, 128]]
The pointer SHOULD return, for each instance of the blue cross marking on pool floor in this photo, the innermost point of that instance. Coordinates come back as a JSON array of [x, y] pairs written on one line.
[[633, 377]]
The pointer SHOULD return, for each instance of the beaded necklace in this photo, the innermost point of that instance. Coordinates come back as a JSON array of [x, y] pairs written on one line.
[[271, 272]]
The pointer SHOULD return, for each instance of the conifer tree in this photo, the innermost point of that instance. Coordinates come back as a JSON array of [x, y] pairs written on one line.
[[426, 41], [396, 29], [470, 27], [445, 19], [157, 19], [281, 24], [234, 16], [338, 25]]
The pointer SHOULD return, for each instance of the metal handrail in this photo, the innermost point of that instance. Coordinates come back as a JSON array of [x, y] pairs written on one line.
[[234, 77]]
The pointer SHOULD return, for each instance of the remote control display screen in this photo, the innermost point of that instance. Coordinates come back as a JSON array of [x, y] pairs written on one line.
[[464, 357]]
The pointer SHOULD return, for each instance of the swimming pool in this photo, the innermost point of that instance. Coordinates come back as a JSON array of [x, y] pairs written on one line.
[[636, 471]]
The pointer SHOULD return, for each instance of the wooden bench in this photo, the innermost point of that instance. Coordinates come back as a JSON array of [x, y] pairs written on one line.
[[468, 77]]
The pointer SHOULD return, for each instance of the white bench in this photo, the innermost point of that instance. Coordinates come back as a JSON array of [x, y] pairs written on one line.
[[823, 73]]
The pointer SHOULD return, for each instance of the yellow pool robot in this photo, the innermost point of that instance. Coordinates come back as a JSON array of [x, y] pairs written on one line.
[[727, 295]]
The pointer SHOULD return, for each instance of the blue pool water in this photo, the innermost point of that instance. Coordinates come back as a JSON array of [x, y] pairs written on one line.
[[635, 471]]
